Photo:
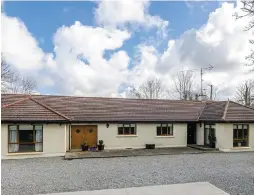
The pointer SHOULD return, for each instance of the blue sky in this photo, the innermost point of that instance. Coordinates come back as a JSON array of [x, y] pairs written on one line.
[[43, 18], [103, 48]]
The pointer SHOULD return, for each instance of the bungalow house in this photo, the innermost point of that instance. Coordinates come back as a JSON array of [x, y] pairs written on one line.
[[43, 125]]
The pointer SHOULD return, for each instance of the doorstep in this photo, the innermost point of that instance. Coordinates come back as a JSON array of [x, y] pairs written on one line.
[[238, 149], [204, 148], [130, 153]]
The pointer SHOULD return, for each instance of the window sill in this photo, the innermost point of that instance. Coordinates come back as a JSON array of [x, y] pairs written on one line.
[[169, 136], [23, 153], [241, 147], [127, 136]]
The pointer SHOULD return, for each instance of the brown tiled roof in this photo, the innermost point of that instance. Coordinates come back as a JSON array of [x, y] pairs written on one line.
[[95, 109], [213, 111], [26, 109], [120, 109], [238, 112], [226, 111]]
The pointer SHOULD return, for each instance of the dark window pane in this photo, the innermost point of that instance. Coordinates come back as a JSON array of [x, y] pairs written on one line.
[[133, 130], [212, 132], [170, 130], [245, 133], [158, 131], [26, 147], [240, 133], [164, 130], [120, 130], [235, 134], [127, 130], [26, 136]]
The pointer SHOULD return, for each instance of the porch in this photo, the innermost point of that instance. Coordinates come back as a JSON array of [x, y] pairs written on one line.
[[223, 136]]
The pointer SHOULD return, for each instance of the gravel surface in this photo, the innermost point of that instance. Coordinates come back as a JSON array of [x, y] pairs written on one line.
[[231, 172]]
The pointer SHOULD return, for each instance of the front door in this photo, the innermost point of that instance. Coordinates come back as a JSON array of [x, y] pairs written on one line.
[[191, 133], [80, 133]]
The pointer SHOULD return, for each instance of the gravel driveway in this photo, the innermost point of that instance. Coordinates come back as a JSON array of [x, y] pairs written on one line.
[[231, 172]]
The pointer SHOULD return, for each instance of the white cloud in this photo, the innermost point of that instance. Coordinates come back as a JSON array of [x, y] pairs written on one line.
[[18, 45], [221, 42], [78, 65], [79, 53], [132, 12]]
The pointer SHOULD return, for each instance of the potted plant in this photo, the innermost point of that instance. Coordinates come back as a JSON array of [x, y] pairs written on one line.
[[84, 146], [100, 145], [212, 140]]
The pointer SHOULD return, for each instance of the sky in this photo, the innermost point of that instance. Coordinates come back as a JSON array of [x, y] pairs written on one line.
[[104, 48]]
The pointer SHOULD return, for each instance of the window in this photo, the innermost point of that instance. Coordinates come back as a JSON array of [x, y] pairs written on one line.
[[240, 135], [126, 129], [209, 131], [164, 130], [25, 138]]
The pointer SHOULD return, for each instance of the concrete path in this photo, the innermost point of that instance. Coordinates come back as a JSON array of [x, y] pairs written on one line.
[[130, 152], [204, 188]]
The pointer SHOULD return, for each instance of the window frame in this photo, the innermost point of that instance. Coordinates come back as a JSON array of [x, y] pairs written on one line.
[[237, 140], [168, 129], [20, 143], [123, 125], [211, 127]]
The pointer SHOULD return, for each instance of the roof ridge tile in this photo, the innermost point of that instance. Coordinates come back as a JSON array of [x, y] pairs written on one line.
[[225, 110], [242, 105], [16, 102], [49, 108], [202, 110]]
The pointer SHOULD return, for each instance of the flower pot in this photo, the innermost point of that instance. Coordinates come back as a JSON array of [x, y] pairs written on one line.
[[101, 147], [213, 145], [84, 147]]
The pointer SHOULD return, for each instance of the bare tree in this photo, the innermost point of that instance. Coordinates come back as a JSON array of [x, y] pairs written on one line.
[[28, 85], [6, 74], [245, 93], [151, 89], [214, 93], [13, 82], [184, 84], [22, 85], [248, 11]]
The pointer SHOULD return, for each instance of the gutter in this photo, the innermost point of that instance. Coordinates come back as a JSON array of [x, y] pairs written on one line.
[[34, 121]]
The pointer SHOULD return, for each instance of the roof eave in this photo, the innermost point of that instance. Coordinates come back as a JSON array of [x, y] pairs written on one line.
[[34, 121]]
